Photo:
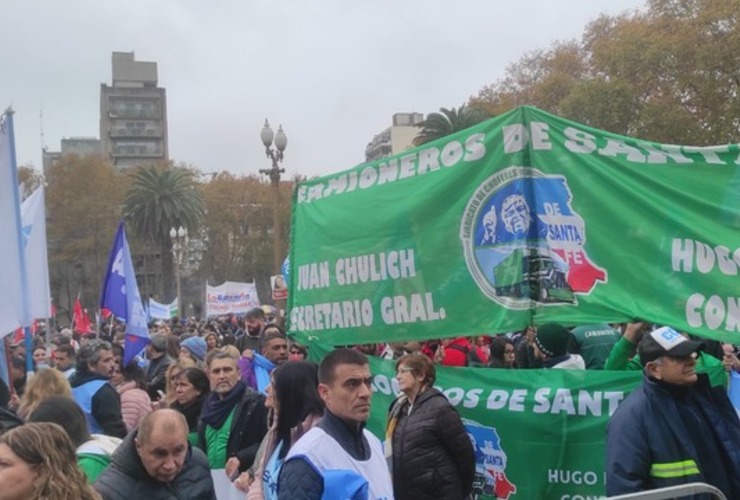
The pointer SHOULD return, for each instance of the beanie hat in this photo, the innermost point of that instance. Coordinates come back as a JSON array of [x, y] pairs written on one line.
[[552, 339], [196, 346]]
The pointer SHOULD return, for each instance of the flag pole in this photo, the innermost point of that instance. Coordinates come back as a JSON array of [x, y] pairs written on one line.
[[8, 364]]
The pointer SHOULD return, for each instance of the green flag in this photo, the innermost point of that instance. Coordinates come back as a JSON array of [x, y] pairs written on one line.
[[524, 219]]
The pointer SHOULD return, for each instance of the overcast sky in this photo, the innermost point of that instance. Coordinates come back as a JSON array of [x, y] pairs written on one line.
[[332, 72]]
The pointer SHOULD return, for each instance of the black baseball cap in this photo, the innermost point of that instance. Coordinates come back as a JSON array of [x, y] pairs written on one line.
[[666, 341]]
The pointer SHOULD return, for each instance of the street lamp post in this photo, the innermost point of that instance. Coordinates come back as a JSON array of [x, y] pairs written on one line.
[[276, 156], [179, 239]]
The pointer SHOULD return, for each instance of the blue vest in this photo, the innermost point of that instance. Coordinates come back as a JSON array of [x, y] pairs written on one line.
[[83, 395]]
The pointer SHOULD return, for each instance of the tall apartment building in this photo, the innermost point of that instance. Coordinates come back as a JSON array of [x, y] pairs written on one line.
[[133, 113], [395, 139]]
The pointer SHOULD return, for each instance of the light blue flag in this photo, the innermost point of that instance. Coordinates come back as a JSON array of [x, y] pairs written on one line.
[[734, 390], [14, 310], [121, 296], [33, 217]]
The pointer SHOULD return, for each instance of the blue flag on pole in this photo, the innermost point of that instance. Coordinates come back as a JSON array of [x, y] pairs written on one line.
[[121, 296]]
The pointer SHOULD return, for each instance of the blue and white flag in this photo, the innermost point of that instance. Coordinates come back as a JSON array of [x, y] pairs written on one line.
[[33, 216], [14, 310], [121, 296]]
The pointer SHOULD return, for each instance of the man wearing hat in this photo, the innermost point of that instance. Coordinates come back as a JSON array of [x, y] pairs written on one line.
[[675, 428], [551, 346]]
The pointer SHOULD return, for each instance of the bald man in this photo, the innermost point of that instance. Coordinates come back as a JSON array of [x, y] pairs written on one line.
[[156, 462]]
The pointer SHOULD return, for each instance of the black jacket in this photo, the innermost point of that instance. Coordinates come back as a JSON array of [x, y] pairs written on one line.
[[248, 427], [156, 376], [106, 404], [126, 479], [433, 456]]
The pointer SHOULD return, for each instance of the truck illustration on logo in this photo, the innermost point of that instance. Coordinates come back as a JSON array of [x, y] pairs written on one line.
[[490, 462], [523, 242]]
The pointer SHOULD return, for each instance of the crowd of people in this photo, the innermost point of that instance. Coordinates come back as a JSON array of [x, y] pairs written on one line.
[[237, 395]]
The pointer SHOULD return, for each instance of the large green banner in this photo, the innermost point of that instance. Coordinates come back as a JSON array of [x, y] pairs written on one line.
[[524, 219], [539, 434]]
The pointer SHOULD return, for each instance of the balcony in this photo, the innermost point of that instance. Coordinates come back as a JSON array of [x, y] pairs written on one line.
[[136, 132]]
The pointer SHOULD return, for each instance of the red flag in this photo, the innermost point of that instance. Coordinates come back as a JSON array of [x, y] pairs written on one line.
[[18, 337], [80, 320]]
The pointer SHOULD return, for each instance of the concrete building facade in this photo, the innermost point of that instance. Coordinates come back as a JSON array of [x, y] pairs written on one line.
[[80, 146], [133, 114], [397, 138]]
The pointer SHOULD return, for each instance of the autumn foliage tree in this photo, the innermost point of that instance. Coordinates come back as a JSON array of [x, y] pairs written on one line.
[[667, 73], [239, 222], [84, 198]]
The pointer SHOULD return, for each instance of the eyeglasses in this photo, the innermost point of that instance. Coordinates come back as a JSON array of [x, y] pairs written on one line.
[[405, 369]]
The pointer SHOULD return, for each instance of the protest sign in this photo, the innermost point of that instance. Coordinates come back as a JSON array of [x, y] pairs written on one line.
[[158, 310], [524, 219], [278, 287], [230, 297]]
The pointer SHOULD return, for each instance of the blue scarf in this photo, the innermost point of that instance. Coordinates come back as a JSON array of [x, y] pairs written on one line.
[[262, 368], [216, 409]]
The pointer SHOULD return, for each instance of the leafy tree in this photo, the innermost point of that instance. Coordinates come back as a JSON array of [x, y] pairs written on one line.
[[162, 197], [449, 121], [30, 178], [540, 78], [239, 222], [667, 73], [84, 197]]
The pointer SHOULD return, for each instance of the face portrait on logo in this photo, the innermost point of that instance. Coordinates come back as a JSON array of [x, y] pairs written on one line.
[[515, 214]]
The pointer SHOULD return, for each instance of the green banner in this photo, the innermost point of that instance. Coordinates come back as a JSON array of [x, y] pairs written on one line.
[[524, 219], [539, 434]]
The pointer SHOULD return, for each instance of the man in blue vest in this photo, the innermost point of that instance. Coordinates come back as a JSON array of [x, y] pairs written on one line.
[[90, 389], [339, 458]]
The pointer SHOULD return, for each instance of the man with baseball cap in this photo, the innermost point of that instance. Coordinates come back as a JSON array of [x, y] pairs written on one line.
[[675, 428]]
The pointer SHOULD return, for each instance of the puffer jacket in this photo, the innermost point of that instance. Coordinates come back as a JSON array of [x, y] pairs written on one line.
[[126, 478], [433, 456], [135, 404]]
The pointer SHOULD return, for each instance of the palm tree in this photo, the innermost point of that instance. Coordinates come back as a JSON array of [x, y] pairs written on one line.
[[449, 121], [160, 198]]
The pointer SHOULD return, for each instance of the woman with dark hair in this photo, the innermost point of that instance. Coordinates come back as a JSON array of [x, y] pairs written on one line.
[[191, 390], [135, 402], [426, 430], [503, 353], [297, 407]]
